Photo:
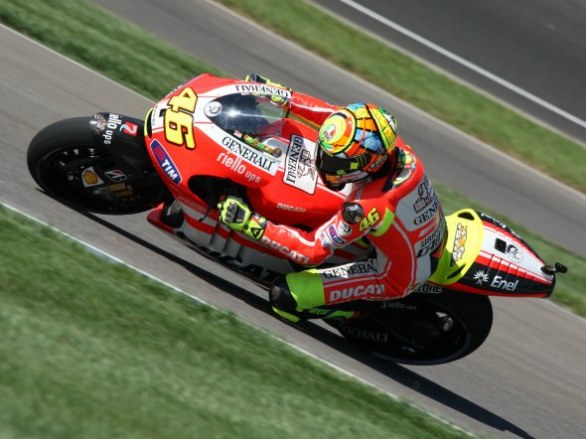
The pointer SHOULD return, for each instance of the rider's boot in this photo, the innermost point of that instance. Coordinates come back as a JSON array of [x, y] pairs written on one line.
[[283, 302], [294, 307]]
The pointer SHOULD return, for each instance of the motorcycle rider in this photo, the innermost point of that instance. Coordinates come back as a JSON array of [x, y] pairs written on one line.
[[391, 204]]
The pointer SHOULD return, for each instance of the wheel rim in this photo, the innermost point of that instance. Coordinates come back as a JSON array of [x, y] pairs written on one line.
[[61, 174]]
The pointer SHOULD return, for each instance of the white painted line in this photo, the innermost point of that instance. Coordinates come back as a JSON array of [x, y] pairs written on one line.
[[425, 42]]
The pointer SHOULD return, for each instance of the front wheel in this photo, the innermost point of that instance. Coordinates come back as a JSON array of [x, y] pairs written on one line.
[[423, 329], [68, 163]]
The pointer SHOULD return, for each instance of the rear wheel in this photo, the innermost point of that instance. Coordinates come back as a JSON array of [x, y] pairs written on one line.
[[423, 329], [69, 164]]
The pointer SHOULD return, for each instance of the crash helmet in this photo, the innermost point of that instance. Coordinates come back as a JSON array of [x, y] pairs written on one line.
[[354, 143]]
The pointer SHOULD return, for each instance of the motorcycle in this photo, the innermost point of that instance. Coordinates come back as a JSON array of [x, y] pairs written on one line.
[[212, 137]]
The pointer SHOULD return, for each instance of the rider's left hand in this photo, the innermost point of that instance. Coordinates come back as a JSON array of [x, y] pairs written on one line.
[[237, 215]]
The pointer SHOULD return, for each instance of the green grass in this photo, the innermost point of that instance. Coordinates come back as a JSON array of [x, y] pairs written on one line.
[[93, 349], [410, 80]]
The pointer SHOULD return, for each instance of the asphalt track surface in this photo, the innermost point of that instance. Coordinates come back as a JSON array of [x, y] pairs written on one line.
[[536, 45], [527, 380]]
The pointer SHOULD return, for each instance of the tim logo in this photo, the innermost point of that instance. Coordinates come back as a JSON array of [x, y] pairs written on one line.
[[129, 128], [165, 162]]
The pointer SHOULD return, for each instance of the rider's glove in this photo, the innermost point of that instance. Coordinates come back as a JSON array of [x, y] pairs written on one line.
[[237, 215], [276, 99]]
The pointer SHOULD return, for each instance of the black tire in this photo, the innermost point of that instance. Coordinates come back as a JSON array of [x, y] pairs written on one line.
[[415, 330], [59, 154]]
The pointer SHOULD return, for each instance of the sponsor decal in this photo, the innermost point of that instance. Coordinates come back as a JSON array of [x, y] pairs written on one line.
[[90, 178], [480, 277], [394, 304], [459, 243], [129, 128], [378, 162], [514, 253], [428, 289], [212, 109], [426, 204], [319, 311], [294, 255], [420, 207], [116, 175], [334, 235], [251, 270], [426, 196], [367, 335], [356, 293], [300, 171], [261, 160], [257, 226], [427, 214], [344, 229], [165, 162], [109, 127], [502, 284], [430, 242], [349, 271], [263, 89], [237, 165], [290, 208], [326, 240]]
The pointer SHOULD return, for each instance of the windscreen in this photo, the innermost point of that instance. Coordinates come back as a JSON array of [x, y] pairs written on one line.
[[246, 114]]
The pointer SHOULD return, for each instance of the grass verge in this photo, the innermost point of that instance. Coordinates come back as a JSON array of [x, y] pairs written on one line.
[[429, 90], [85, 357], [92, 36]]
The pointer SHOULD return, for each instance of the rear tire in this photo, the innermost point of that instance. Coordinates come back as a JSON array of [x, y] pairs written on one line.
[[423, 329], [60, 157]]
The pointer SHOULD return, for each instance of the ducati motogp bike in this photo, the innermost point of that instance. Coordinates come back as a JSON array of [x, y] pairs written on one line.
[[212, 137]]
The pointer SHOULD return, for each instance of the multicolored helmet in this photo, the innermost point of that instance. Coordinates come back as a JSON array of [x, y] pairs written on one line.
[[355, 142]]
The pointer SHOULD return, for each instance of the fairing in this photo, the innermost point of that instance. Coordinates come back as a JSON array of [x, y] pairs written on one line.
[[271, 156]]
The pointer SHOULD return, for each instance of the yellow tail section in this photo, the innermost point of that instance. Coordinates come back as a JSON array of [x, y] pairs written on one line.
[[465, 235]]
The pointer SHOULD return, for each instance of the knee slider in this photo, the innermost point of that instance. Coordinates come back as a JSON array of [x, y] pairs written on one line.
[[281, 297]]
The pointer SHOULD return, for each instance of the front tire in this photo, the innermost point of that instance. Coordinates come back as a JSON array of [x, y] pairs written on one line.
[[69, 164]]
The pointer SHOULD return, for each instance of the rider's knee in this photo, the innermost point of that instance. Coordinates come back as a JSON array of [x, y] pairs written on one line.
[[280, 296]]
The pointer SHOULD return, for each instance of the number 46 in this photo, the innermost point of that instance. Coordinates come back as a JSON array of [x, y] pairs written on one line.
[[179, 119], [369, 220]]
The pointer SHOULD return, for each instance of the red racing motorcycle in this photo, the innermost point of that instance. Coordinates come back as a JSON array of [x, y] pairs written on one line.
[[212, 137]]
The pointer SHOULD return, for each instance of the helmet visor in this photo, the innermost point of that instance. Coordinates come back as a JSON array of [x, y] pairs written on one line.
[[328, 164]]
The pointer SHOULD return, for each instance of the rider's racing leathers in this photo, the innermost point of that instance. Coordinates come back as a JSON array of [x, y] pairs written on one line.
[[398, 213]]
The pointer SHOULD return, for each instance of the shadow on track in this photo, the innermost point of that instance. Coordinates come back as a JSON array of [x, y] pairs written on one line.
[[394, 371]]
